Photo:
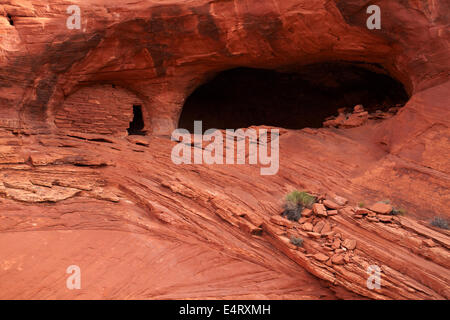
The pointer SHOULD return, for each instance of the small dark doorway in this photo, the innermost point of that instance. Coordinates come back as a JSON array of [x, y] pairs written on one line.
[[10, 19], [137, 124]]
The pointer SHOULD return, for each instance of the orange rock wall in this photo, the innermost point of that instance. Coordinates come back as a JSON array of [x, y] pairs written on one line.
[[140, 226], [163, 51]]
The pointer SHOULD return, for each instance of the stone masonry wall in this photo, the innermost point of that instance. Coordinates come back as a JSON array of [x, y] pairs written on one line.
[[101, 109]]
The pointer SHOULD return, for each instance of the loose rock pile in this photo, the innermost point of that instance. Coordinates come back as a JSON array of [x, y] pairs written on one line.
[[339, 245], [315, 224], [358, 117], [328, 246]]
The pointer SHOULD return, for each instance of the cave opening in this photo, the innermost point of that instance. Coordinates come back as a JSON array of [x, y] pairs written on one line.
[[304, 97], [137, 124]]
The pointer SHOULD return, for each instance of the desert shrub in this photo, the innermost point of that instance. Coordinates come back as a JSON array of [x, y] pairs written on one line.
[[440, 223], [292, 199], [397, 212], [307, 200], [361, 204], [292, 207], [298, 242], [300, 198], [293, 214], [386, 201], [292, 211], [295, 201]]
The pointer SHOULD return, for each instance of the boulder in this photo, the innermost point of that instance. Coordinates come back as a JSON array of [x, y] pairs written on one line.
[[319, 226], [306, 212], [362, 211], [385, 218], [340, 200], [338, 259], [332, 212], [326, 229], [336, 244], [331, 205], [350, 244], [314, 235], [358, 108], [307, 226], [321, 257], [319, 209], [381, 208]]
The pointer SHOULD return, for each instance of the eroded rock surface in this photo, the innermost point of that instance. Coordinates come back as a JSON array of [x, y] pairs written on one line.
[[140, 226]]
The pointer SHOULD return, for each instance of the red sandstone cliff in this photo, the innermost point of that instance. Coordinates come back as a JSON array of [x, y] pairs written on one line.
[[75, 190]]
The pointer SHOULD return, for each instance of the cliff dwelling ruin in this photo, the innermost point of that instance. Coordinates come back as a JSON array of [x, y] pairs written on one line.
[[101, 109]]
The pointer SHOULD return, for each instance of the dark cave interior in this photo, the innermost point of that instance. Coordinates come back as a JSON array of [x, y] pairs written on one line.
[[137, 125], [243, 97]]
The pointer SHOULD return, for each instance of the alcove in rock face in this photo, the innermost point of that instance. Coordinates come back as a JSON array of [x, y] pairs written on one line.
[[240, 98], [305, 97]]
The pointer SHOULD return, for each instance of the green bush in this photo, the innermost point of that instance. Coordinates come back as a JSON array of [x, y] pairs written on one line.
[[300, 198], [361, 204], [298, 242], [295, 201], [440, 223]]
